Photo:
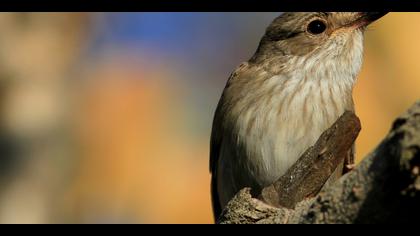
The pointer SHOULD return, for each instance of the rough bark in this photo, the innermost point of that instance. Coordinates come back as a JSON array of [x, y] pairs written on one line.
[[383, 188]]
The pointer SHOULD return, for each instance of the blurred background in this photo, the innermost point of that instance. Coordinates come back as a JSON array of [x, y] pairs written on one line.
[[106, 117]]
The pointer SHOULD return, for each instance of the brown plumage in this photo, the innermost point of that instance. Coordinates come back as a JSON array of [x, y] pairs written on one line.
[[277, 104]]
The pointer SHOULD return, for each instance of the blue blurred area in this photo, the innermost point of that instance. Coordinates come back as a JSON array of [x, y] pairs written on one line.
[[156, 30], [207, 42]]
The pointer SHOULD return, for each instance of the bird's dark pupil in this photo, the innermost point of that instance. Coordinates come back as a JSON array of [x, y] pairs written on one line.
[[316, 27]]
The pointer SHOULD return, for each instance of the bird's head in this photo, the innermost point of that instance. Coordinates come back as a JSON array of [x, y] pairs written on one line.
[[317, 35]]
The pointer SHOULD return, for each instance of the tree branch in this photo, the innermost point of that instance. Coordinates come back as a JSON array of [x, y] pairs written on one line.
[[385, 186]]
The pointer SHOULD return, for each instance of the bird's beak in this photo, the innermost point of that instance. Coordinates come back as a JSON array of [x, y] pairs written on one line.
[[366, 18], [369, 17]]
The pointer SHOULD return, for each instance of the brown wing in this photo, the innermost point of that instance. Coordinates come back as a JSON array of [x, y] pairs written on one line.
[[216, 141], [349, 161]]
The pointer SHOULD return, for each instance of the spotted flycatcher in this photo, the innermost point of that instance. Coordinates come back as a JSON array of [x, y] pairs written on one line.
[[276, 105]]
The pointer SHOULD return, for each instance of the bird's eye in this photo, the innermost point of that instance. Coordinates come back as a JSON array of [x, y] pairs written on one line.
[[316, 27]]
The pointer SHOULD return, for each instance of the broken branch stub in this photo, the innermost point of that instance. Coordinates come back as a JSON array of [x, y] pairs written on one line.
[[312, 170]]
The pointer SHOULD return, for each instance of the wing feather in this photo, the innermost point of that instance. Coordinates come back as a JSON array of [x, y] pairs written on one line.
[[216, 140]]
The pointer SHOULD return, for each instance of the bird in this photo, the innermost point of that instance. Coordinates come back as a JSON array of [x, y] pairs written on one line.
[[276, 105]]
